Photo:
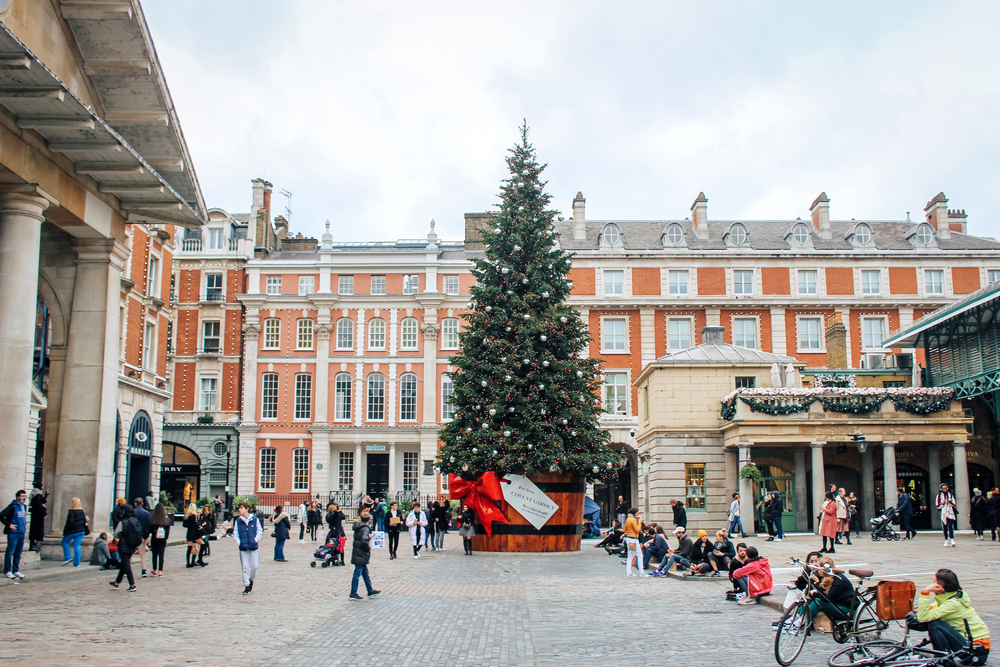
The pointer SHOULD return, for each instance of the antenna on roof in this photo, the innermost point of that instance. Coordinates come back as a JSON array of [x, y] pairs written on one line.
[[288, 204]]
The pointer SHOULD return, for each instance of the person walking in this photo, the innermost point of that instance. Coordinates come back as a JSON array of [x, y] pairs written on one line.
[[314, 519], [39, 510], [159, 533], [361, 552], [777, 509], [945, 502], [129, 534], [151, 502], [282, 527], [335, 521], [195, 538], [735, 524], [142, 516], [15, 527], [440, 518], [303, 517], [765, 514], [206, 521], [828, 524], [416, 522], [247, 535], [993, 502], [680, 514], [429, 531], [394, 522], [854, 521], [217, 506], [466, 530], [379, 514], [73, 531], [979, 516], [843, 526], [904, 508], [633, 532]]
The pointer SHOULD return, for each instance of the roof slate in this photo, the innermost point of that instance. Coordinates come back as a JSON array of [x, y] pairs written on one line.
[[723, 353]]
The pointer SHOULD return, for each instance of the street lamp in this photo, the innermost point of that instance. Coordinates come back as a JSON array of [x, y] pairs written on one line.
[[862, 442], [229, 452]]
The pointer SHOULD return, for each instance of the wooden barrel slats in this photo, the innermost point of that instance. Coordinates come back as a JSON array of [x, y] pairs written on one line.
[[562, 532]]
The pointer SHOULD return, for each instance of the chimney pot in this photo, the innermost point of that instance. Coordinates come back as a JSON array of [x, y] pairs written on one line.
[[579, 217], [699, 211], [713, 335], [820, 212]]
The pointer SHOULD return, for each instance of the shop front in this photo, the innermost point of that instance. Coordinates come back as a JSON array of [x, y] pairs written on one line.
[[180, 475]]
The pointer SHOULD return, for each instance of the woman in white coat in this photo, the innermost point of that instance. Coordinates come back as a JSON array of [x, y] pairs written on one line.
[[416, 521]]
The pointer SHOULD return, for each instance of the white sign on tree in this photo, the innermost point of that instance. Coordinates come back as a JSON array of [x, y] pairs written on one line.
[[524, 496]]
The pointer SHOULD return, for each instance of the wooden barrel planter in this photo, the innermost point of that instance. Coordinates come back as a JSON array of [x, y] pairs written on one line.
[[562, 532]]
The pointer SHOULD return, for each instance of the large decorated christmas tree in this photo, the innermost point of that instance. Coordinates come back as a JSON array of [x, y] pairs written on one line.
[[526, 395]]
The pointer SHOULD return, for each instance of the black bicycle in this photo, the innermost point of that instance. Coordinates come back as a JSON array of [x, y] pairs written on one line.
[[862, 623], [885, 653]]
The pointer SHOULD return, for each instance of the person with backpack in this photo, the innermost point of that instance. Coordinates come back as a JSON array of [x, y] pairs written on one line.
[[129, 534], [247, 534], [159, 533], [361, 552], [282, 527]]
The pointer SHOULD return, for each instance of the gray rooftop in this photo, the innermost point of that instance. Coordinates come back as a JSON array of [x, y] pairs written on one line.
[[724, 353]]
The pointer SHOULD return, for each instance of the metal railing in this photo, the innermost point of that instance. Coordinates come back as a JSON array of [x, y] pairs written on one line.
[[213, 295]]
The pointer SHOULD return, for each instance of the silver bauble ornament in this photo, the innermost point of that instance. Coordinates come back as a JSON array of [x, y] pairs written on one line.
[[563, 320], [579, 374], [483, 383], [565, 421], [495, 452], [545, 363], [452, 459], [505, 270], [507, 378], [510, 292], [596, 469], [468, 430], [573, 433], [541, 386], [516, 248], [530, 446], [525, 361], [477, 407], [489, 309], [543, 338], [524, 281], [508, 329], [485, 425], [465, 468], [475, 450], [493, 411], [545, 295], [510, 409], [526, 316]]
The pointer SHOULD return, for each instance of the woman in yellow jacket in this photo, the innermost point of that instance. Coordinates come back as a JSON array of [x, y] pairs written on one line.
[[633, 533], [944, 607]]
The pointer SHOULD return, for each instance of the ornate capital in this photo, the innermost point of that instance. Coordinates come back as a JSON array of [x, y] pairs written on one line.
[[251, 330], [323, 331], [430, 330]]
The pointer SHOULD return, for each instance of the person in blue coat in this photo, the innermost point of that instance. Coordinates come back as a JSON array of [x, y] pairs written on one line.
[[247, 533], [282, 528], [15, 526], [904, 508], [656, 546]]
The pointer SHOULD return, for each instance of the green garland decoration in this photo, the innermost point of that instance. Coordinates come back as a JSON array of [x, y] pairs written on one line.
[[918, 408], [850, 405], [846, 404], [751, 472], [767, 407], [729, 410]]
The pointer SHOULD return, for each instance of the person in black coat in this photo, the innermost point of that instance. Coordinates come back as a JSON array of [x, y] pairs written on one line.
[[282, 529], [680, 514], [777, 509], [335, 522], [195, 536], [439, 515], [361, 551], [315, 519], [38, 510], [993, 503], [393, 521], [129, 525], [980, 514], [466, 528], [655, 546], [904, 508]]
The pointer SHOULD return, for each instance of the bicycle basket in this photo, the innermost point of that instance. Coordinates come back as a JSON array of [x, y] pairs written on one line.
[[894, 599]]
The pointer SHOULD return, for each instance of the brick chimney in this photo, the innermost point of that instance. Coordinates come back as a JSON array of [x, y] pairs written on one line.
[[820, 212], [958, 221], [699, 216], [936, 214], [579, 217], [281, 227], [836, 343]]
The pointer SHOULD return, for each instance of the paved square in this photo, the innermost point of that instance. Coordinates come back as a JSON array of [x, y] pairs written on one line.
[[443, 609]]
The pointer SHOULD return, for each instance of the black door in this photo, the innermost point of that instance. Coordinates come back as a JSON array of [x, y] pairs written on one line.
[[377, 475], [138, 477]]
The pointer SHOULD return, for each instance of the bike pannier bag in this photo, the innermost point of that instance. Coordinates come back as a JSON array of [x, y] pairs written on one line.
[[894, 599]]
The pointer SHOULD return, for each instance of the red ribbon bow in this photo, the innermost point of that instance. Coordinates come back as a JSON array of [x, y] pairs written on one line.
[[479, 495]]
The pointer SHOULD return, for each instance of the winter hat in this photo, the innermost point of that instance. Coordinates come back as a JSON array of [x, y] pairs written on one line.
[[679, 530], [977, 492], [701, 534]]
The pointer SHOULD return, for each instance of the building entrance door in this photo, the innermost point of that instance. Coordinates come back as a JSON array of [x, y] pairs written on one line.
[[916, 481], [377, 475], [782, 481]]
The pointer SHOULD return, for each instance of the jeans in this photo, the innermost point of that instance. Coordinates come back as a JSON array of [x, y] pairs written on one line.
[[12, 558], [634, 552], [75, 539], [734, 525], [681, 561], [361, 571], [944, 637], [779, 529], [905, 521], [743, 583], [429, 535], [302, 531], [439, 539], [948, 528], [380, 524], [279, 549], [650, 554], [836, 612], [856, 525]]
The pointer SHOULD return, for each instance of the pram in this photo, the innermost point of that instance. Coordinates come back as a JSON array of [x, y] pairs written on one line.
[[330, 554], [882, 526]]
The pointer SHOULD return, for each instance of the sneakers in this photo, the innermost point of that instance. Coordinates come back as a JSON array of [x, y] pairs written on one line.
[[68, 561], [946, 543], [144, 575], [355, 596], [9, 575], [747, 600], [19, 575], [246, 590], [372, 594], [159, 574], [114, 584], [302, 541], [740, 596], [132, 589], [777, 539], [416, 556], [953, 542]]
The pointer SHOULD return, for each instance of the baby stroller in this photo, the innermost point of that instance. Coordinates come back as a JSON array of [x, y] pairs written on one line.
[[882, 526], [330, 554]]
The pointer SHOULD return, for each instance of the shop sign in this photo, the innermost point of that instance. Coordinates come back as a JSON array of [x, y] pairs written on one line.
[[374, 448], [181, 469]]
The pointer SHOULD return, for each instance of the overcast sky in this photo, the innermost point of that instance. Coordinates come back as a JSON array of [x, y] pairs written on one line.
[[380, 116]]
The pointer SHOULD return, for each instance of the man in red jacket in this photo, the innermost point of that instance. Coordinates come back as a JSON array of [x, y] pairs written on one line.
[[754, 578]]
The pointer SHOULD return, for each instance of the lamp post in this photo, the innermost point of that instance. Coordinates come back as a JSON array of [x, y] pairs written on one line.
[[229, 452], [862, 442]]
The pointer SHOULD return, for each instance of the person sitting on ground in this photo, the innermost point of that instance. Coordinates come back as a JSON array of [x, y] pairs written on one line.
[[101, 554], [736, 563], [613, 539], [942, 609], [681, 555], [656, 546], [701, 553], [754, 578], [723, 552], [835, 592]]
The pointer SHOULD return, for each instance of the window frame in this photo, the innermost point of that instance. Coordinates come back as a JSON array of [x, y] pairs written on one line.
[[153, 276], [404, 334], [300, 468], [995, 276], [447, 394], [307, 285], [345, 334], [376, 402], [756, 331], [742, 273], [800, 234], [272, 459], [345, 471], [739, 234], [863, 233], [615, 388], [411, 283], [924, 229], [302, 410], [802, 279], [866, 349], [408, 397], [695, 479], [216, 233], [606, 337], [800, 332], [275, 334], [670, 333], [213, 394], [343, 395], [927, 281], [411, 472], [450, 284], [866, 288], [376, 327], [745, 382], [345, 285], [377, 287], [674, 287], [617, 282], [447, 333], [272, 281], [149, 346], [300, 325], [671, 228], [214, 290], [205, 324], [611, 234], [269, 396]]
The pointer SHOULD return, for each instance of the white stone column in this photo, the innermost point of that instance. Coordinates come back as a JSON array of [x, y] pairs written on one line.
[[801, 501], [359, 466], [320, 474], [746, 493], [889, 482], [934, 479], [961, 490], [360, 400], [390, 395], [246, 462], [818, 478], [430, 330], [57, 371], [87, 446], [323, 332], [251, 336], [393, 482], [20, 237], [779, 337], [647, 336]]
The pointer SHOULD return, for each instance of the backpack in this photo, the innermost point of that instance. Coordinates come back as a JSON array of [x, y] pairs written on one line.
[[131, 533]]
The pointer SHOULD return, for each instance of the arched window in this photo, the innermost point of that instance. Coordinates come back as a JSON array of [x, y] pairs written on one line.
[[376, 397], [408, 334], [449, 333], [342, 397], [925, 234], [800, 234], [611, 234], [304, 340], [269, 396], [408, 397], [863, 234], [674, 235], [345, 334], [447, 392], [272, 333], [376, 334]]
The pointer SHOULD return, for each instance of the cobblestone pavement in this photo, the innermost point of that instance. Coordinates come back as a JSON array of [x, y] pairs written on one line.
[[443, 609]]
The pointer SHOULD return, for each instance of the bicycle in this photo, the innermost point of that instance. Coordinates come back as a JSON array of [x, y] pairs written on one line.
[[884, 653], [862, 622]]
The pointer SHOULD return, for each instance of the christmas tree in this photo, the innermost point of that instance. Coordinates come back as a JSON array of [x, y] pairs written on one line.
[[525, 401]]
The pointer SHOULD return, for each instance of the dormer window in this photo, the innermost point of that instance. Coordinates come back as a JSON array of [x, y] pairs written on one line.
[[800, 234], [863, 234], [925, 235], [737, 235], [216, 237], [611, 235], [673, 236]]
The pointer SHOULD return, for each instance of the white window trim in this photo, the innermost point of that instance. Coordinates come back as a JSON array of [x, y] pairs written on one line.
[[260, 453], [336, 334], [301, 285], [628, 391], [266, 284], [604, 292], [221, 288], [416, 398], [987, 278], [345, 275], [666, 325], [201, 378], [445, 420], [298, 489], [295, 396], [753, 281], [881, 279], [628, 336], [263, 334], [822, 337], [687, 284], [416, 347], [277, 389], [351, 383], [371, 284], [444, 283], [149, 360], [815, 273], [416, 289], [457, 331], [312, 334], [885, 332], [756, 319], [157, 289], [944, 283], [385, 334]]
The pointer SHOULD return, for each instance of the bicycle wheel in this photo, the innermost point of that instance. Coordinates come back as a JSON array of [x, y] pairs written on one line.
[[792, 632], [865, 654], [868, 626]]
